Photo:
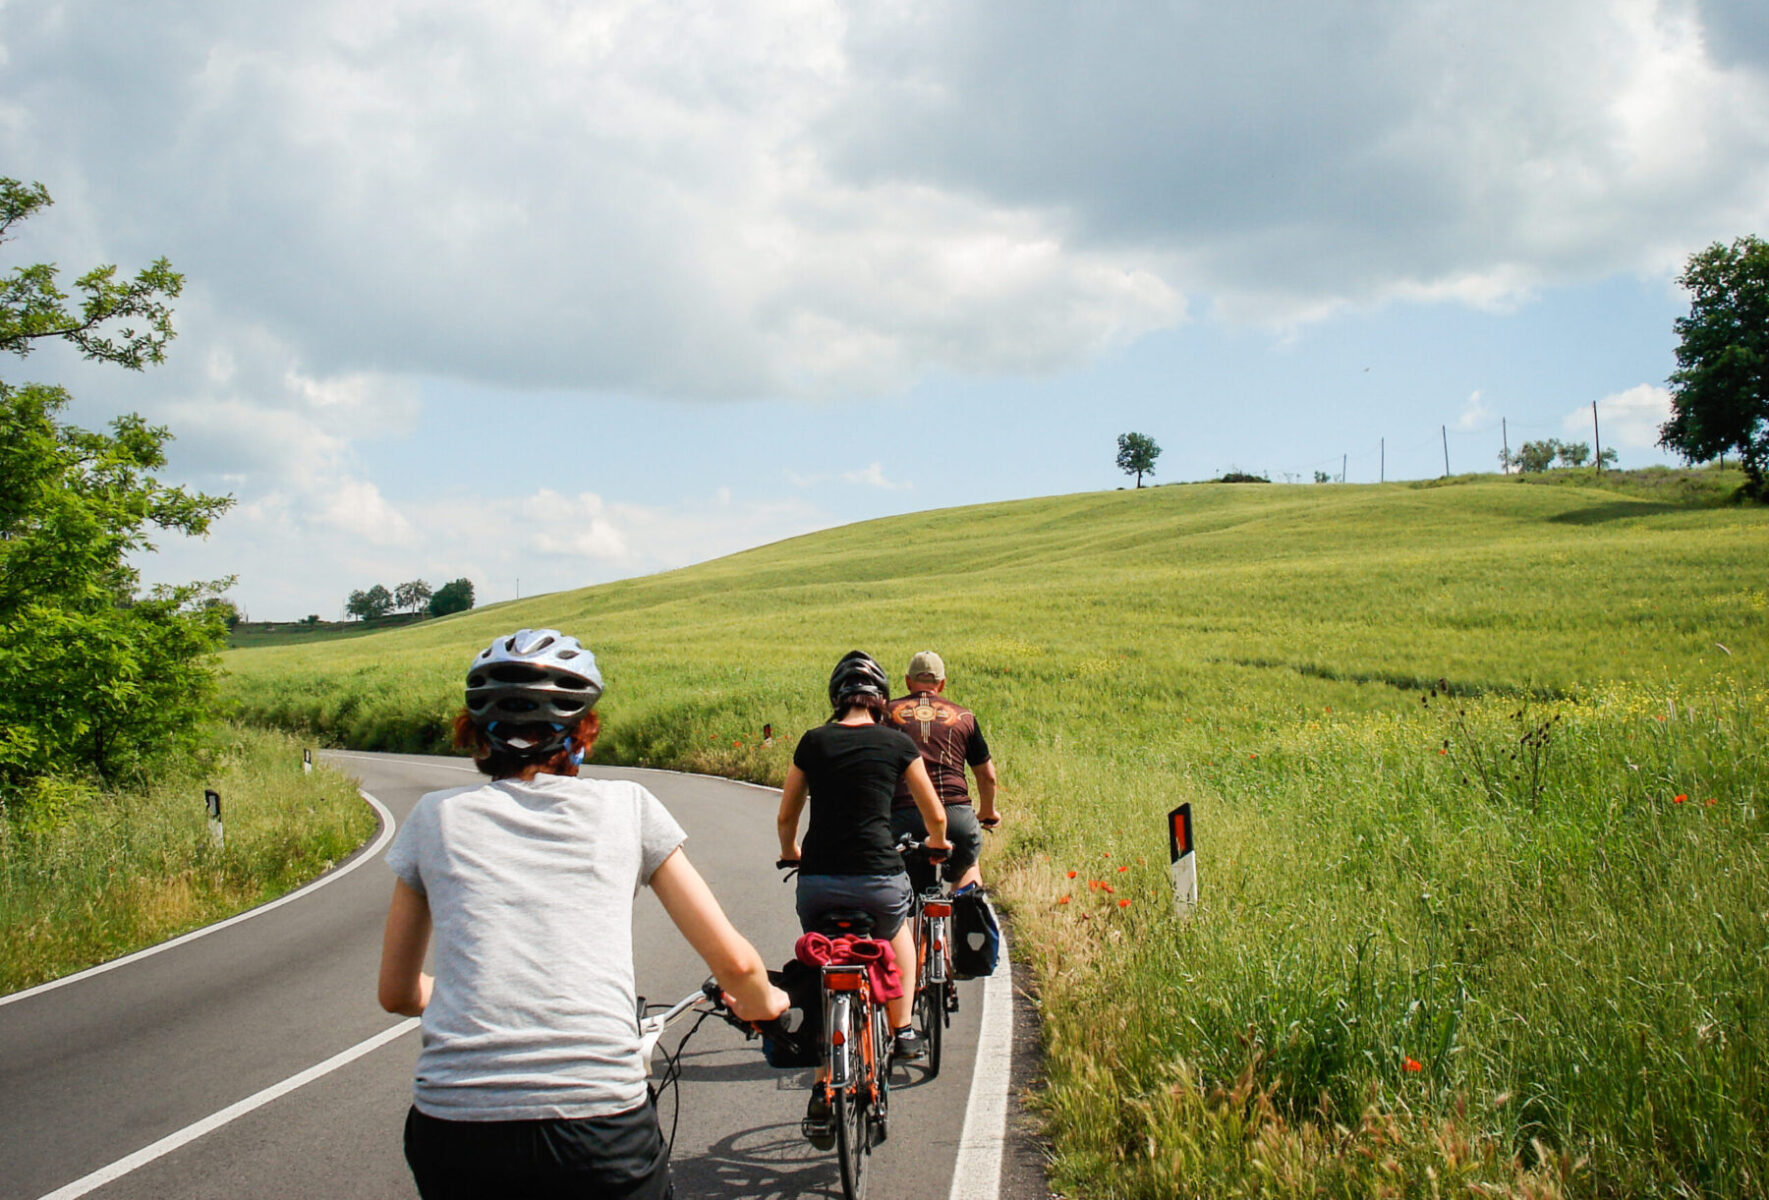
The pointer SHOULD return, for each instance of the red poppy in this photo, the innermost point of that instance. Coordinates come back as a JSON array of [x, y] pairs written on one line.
[[1071, 874], [1063, 900], [1679, 798], [1414, 1066], [1106, 887], [1442, 751], [1121, 870], [1123, 904], [1251, 757], [1710, 803], [1105, 854], [1094, 885]]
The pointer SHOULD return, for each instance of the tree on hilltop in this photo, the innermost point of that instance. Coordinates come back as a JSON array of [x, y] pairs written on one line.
[[1137, 453], [366, 606], [1720, 390], [412, 596], [453, 597], [94, 675]]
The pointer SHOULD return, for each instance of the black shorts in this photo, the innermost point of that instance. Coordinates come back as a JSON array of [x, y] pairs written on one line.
[[622, 1157], [963, 830]]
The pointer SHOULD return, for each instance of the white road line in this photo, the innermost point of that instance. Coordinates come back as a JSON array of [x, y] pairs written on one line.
[[977, 1173], [387, 827], [232, 1112]]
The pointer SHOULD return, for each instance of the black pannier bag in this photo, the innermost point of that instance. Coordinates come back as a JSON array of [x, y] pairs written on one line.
[[803, 1020], [976, 934]]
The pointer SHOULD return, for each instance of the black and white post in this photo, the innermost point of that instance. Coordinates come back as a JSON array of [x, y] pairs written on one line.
[[212, 802], [1182, 860], [306, 761]]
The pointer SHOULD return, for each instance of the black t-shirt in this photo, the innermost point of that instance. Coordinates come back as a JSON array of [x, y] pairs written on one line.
[[853, 772]]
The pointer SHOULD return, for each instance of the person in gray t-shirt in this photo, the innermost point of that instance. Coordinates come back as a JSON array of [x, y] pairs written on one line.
[[530, 1076]]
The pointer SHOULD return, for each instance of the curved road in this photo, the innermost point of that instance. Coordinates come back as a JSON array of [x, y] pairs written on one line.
[[253, 1060]]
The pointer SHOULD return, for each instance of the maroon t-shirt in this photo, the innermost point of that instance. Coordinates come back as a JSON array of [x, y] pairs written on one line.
[[948, 738]]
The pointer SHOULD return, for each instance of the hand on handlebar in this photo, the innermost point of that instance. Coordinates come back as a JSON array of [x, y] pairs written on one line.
[[938, 850], [765, 1004]]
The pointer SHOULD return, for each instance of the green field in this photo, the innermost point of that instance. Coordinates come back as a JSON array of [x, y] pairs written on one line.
[[1506, 935]]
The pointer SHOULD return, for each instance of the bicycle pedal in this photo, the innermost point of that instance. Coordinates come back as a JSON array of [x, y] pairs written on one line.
[[951, 1000], [821, 1134]]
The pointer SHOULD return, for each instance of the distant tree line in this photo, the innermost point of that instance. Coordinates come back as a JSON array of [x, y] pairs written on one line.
[[1540, 456], [415, 596]]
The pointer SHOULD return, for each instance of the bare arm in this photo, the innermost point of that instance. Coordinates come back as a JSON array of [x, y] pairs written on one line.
[[933, 813], [792, 803], [732, 960], [986, 781], [404, 988]]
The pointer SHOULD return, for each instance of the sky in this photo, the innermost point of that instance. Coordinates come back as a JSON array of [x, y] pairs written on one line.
[[545, 294]]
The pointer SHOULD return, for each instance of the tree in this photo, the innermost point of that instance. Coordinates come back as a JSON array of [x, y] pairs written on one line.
[[366, 606], [229, 611], [452, 598], [1720, 390], [1572, 454], [1607, 458], [94, 677], [1137, 453], [1537, 456], [412, 596]]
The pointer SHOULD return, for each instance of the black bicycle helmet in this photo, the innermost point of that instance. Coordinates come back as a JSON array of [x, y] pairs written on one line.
[[857, 674], [529, 689]]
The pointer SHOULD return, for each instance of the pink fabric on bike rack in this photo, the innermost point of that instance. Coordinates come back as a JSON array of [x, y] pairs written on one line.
[[821, 950]]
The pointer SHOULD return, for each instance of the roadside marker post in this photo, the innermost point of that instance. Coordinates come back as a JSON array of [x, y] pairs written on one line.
[[1182, 860], [212, 802], [306, 762]]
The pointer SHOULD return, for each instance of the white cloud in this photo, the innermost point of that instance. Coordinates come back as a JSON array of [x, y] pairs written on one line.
[[803, 198], [1628, 419], [1475, 414], [873, 476]]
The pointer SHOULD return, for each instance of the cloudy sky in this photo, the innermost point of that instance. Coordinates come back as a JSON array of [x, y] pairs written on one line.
[[546, 293]]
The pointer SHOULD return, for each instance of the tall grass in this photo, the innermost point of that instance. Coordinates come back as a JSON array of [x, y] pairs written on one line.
[[1450, 936], [92, 874]]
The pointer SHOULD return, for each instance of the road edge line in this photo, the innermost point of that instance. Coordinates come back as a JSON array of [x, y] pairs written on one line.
[[387, 827], [231, 1113], [976, 1175]]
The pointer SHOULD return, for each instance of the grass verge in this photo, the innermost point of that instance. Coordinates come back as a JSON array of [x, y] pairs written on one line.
[[93, 875]]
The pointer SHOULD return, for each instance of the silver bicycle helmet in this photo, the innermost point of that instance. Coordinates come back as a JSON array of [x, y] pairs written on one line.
[[528, 690], [857, 674]]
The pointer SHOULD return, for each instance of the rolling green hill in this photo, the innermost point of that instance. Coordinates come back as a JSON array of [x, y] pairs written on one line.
[[1509, 929]]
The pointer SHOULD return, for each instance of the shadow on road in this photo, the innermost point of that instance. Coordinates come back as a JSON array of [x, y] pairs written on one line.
[[773, 1162]]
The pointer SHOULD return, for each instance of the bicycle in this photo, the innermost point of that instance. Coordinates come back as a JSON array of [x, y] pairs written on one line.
[[853, 1072], [936, 994]]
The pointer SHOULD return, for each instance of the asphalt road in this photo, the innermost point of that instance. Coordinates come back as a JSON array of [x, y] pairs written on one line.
[[96, 1070]]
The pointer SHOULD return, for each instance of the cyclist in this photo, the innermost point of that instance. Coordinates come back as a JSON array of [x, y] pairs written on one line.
[[948, 737], [530, 1081], [850, 767]]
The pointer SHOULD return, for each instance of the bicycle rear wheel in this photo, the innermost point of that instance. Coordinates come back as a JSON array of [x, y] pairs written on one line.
[[930, 1014], [852, 1144]]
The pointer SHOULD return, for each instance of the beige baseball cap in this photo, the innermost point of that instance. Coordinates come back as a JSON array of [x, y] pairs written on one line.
[[926, 663]]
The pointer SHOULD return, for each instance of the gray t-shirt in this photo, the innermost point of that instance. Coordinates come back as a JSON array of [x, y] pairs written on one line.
[[531, 889]]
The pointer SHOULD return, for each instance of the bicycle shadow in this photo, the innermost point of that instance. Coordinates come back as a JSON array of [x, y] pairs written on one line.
[[771, 1162]]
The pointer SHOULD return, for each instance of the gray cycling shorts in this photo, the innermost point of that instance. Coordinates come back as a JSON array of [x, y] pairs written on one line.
[[886, 897], [963, 830]]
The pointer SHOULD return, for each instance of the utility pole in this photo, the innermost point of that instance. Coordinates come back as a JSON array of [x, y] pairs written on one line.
[[1445, 430], [1383, 476], [518, 587], [1597, 434], [1342, 459], [1505, 437]]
